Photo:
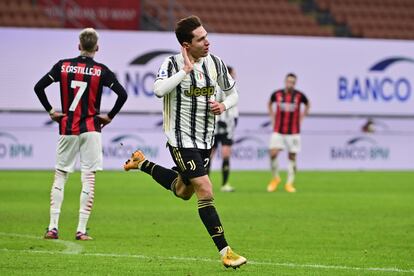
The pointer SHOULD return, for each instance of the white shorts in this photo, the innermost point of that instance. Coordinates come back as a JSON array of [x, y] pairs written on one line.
[[89, 147], [289, 142]]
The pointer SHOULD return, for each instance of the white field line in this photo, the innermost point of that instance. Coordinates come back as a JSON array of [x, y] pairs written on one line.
[[75, 249], [70, 247]]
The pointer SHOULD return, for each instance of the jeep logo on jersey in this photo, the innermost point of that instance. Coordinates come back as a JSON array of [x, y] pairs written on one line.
[[196, 91]]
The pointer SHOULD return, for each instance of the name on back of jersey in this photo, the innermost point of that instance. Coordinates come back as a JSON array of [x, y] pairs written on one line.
[[81, 70], [197, 91]]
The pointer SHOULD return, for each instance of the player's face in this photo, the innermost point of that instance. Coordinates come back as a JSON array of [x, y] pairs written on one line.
[[199, 45], [290, 83]]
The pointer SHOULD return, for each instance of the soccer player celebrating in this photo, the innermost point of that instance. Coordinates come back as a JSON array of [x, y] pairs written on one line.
[[224, 133], [81, 81], [188, 83], [286, 128]]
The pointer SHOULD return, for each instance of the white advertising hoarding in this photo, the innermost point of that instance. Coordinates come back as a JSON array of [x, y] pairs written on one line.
[[28, 141], [340, 76]]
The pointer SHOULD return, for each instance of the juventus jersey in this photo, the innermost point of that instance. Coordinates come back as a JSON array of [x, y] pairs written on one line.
[[188, 122]]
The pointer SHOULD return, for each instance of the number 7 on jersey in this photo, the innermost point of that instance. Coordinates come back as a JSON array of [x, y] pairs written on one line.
[[82, 88]]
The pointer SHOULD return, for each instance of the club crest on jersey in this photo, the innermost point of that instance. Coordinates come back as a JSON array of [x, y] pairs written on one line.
[[199, 76], [197, 91]]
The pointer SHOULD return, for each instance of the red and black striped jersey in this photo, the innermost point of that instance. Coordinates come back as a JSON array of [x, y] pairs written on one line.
[[287, 115], [81, 82]]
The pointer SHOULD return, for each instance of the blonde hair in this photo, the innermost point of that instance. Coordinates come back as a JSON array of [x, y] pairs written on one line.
[[88, 39]]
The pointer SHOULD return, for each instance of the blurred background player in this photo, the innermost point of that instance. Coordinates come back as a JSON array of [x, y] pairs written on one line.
[[224, 133], [81, 80], [188, 83], [286, 119]]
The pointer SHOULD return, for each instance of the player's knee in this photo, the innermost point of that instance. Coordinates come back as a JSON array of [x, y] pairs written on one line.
[[186, 197]]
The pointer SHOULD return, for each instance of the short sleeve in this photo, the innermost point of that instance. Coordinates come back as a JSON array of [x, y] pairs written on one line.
[[54, 73], [109, 78], [165, 70], [304, 99], [273, 97], [225, 81]]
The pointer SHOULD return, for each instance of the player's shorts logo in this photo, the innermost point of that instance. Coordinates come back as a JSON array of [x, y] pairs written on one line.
[[197, 91]]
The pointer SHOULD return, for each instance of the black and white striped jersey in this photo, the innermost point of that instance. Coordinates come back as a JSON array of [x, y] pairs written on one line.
[[188, 122]]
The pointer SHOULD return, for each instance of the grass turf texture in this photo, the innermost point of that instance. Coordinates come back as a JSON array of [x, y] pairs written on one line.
[[342, 220]]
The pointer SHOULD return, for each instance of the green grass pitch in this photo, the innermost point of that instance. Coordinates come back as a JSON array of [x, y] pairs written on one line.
[[339, 223]]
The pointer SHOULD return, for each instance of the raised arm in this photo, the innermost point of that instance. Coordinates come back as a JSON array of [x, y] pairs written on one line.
[[166, 81]]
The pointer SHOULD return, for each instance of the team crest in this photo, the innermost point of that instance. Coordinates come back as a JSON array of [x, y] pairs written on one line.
[[199, 76]]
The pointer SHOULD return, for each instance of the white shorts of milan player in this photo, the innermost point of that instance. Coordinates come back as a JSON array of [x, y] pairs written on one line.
[[89, 147], [289, 142]]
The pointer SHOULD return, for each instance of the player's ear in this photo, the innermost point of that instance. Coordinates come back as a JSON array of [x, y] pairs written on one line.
[[186, 45], [79, 47], [97, 48]]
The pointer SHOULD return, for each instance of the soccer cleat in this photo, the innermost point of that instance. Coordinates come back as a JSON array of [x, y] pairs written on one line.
[[232, 259], [135, 161], [273, 184], [290, 188], [52, 234], [227, 188], [83, 236]]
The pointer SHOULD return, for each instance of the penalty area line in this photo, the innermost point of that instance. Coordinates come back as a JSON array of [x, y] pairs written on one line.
[[175, 258]]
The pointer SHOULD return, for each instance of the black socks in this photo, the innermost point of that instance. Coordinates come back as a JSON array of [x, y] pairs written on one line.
[[225, 168], [211, 220], [164, 177]]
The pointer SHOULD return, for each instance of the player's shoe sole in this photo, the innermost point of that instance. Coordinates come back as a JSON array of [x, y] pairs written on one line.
[[134, 163], [290, 188], [233, 260], [51, 234], [83, 237], [273, 184]]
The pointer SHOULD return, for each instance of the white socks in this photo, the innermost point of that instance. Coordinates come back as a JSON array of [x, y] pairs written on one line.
[[56, 197], [291, 171], [86, 199], [275, 167]]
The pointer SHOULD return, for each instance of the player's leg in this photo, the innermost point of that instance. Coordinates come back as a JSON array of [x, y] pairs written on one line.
[[91, 162], [225, 168], [294, 146], [195, 163], [213, 151], [66, 152], [168, 178], [275, 146]]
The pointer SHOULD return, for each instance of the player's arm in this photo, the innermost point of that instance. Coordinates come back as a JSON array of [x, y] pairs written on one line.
[[39, 89], [112, 82], [305, 112], [163, 85], [270, 108], [228, 85]]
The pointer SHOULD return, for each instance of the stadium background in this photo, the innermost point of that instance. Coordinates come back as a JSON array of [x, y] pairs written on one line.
[[354, 60], [350, 81]]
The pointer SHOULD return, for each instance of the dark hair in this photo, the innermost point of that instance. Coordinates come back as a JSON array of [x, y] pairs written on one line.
[[291, 75], [230, 69], [185, 27]]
